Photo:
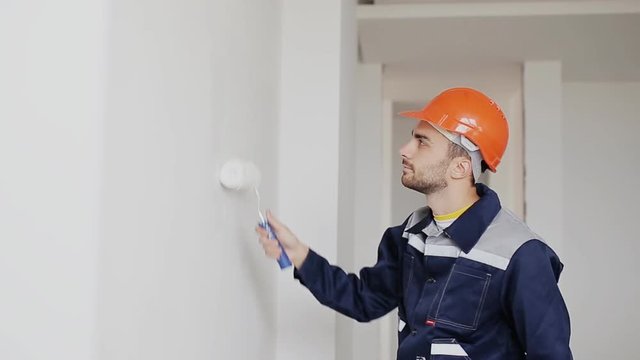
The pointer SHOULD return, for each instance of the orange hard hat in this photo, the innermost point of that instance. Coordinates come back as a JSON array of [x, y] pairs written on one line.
[[474, 115]]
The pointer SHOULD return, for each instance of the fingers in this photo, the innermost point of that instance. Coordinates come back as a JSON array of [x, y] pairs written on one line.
[[270, 246], [281, 230], [274, 222], [261, 231]]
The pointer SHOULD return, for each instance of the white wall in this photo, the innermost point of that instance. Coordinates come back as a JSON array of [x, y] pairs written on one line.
[[191, 85], [187, 81], [316, 71], [117, 241], [601, 196], [52, 71]]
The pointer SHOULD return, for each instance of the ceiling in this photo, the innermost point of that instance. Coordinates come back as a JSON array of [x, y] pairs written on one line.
[[595, 40], [450, 1]]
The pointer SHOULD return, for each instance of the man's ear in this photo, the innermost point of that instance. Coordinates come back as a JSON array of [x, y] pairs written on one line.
[[461, 168]]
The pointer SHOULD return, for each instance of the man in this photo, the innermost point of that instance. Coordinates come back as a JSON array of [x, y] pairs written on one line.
[[469, 279]]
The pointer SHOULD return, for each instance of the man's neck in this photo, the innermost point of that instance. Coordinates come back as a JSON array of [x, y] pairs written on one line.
[[451, 199]]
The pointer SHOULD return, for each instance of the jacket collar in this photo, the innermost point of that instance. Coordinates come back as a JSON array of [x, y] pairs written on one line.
[[468, 228]]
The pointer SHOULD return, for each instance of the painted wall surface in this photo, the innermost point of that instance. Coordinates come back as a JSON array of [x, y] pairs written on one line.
[[315, 143], [191, 85], [600, 200], [52, 103]]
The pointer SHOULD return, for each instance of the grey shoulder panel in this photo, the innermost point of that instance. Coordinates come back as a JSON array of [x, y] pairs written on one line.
[[501, 240]]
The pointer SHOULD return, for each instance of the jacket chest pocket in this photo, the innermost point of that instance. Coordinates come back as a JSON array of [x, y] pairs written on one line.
[[462, 299]]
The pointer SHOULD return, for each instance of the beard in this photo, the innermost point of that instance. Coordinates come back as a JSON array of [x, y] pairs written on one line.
[[428, 180]]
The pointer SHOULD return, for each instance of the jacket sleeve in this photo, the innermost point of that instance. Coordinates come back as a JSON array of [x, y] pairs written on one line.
[[533, 302], [371, 295]]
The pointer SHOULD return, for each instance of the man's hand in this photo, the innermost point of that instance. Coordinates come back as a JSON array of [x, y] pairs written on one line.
[[295, 249]]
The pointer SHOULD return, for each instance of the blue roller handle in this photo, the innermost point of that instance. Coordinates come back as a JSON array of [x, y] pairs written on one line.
[[283, 260]]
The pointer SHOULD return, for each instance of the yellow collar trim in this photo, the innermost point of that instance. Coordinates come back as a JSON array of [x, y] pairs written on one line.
[[452, 216]]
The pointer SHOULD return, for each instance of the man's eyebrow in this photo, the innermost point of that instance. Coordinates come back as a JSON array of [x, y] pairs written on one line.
[[420, 136]]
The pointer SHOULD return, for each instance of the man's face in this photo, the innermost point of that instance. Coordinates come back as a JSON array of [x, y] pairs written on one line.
[[425, 160]]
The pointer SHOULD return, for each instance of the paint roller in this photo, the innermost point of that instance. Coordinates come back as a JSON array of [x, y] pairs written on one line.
[[240, 175]]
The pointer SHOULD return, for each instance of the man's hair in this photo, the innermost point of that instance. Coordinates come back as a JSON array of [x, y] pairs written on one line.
[[456, 150]]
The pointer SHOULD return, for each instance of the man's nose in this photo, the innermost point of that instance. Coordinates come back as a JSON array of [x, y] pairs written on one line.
[[406, 150]]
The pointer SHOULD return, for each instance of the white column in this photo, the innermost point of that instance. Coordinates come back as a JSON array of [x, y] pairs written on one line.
[[315, 64], [388, 324], [368, 222], [347, 209], [543, 150]]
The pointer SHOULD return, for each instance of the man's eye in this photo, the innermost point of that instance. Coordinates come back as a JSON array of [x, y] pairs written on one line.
[[422, 142]]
